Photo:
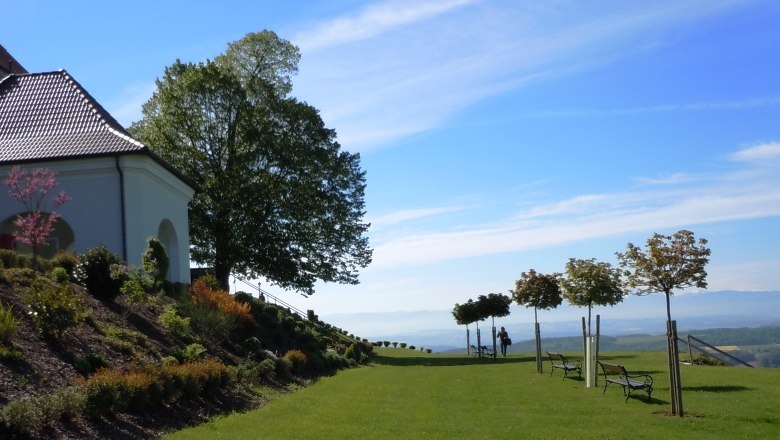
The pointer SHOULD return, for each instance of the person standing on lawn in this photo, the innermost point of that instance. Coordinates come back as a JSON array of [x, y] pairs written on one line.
[[505, 340]]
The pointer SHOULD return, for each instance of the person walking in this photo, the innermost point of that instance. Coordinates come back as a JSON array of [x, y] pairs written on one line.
[[505, 340]]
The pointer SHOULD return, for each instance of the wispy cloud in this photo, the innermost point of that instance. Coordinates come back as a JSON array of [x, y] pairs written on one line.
[[759, 153], [667, 179], [769, 101], [374, 20], [409, 215], [377, 79], [734, 195]]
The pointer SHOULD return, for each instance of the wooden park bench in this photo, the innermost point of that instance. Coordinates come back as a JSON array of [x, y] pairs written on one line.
[[564, 364], [627, 381]]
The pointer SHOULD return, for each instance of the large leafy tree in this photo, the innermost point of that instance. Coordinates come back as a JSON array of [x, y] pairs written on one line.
[[590, 282], [669, 262], [276, 196]]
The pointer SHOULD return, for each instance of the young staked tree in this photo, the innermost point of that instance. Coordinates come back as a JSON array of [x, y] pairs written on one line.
[[33, 190], [276, 196], [466, 314], [589, 282], [670, 262], [539, 291], [494, 305]]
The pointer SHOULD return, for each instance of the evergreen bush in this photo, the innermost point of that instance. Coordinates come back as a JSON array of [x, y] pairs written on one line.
[[95, 273], [155, 261]]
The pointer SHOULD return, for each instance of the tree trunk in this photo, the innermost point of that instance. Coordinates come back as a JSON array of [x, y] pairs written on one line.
[[589, 308], [668, 307], [222, 274]]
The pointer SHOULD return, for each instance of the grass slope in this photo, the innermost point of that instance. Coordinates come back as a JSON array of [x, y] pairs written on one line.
[[408, 394]]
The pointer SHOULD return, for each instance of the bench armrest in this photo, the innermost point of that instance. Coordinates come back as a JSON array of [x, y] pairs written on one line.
[[646, 378]]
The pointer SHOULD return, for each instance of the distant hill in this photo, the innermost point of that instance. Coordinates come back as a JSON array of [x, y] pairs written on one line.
[[645, 315], [759, 346]]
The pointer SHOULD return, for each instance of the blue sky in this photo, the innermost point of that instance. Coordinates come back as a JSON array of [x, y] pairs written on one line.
[[497, 136]]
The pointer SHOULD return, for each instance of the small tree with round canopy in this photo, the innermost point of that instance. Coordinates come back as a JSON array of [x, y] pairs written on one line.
[[466, 314], [589, 282], [493, 305], [539, 291], [670, 262]]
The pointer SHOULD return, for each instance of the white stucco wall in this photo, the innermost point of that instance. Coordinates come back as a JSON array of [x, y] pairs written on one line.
[[153, 197]]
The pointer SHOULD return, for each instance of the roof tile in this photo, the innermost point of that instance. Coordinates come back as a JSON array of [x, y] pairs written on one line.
[[50, 116]]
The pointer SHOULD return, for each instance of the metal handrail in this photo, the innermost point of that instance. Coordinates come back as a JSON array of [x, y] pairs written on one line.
[[276, 300], [711, 347]]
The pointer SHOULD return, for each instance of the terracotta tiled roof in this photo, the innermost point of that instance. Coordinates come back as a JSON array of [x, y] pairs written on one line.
[[50, 116]]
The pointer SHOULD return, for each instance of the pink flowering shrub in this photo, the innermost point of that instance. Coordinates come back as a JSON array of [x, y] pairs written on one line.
[[32, 190]]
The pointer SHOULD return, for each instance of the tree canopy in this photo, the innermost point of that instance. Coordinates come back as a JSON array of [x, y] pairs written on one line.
[[276, 197], [669, 262], [493, 305], [590, 282], [466, 313], [539, 291]]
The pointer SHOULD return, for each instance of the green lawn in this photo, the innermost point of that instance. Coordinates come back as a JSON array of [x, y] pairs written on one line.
[[407, 394]]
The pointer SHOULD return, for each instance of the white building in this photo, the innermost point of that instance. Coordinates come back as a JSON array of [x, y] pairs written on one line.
[[122, 193]]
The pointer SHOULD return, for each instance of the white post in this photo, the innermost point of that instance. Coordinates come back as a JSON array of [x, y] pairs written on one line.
[[590, 362]]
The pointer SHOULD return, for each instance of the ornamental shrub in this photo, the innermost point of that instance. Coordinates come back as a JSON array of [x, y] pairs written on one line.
[[7, 324], [216, 314], [155, 261], [54, 308], [22, 277], [22, 416], [94, 272], [67, 261], [176, 324], [90, 363], [298, 360], [59, 275], [193, 352]]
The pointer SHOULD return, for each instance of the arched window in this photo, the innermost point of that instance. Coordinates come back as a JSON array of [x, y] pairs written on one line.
[[62, 239], [167, 236]]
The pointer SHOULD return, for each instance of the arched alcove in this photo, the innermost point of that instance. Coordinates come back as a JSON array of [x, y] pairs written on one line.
[[61, 239], [167, 236]]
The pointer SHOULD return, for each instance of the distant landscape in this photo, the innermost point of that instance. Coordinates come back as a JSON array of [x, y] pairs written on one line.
[[641, 318]]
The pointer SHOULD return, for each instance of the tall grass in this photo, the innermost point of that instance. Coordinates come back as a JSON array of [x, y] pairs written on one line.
[[407, 394]]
